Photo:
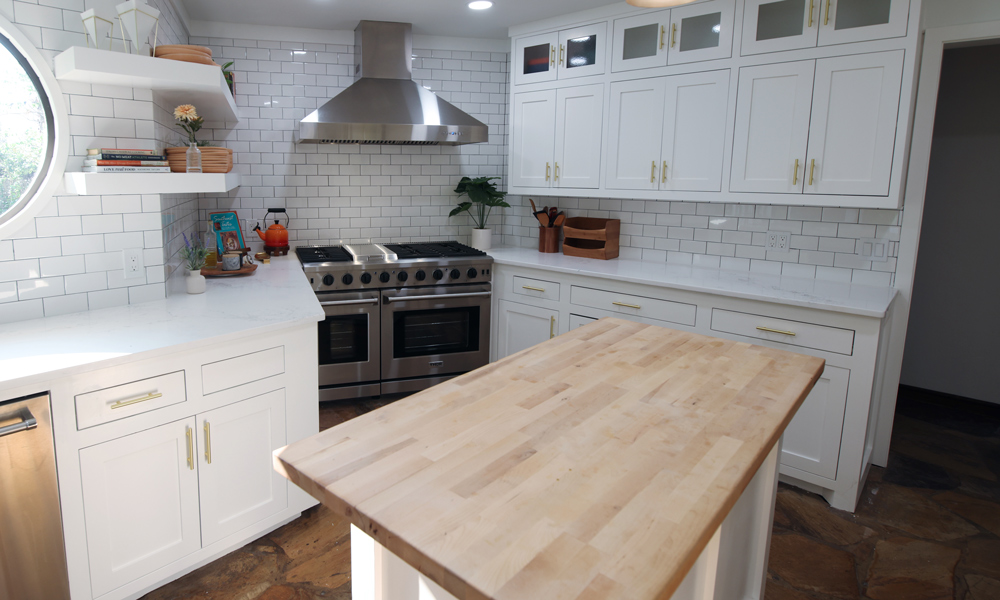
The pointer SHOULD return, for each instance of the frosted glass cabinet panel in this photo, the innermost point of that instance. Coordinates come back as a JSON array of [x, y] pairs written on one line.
[[535, 58], [702, 31], [582, 51], [777, 25], [640, 42], [846, 21]]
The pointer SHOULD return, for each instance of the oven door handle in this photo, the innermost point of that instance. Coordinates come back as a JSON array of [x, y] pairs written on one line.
[[349, 302], [437, 297]]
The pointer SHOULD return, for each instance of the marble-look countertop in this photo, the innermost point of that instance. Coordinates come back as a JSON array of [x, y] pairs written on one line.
[[863, 300], [275, 297]]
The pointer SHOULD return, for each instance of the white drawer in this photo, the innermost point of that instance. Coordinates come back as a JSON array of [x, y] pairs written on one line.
[[536, 288], [794, 333], [229, 373], [120, 401], [638, 306]]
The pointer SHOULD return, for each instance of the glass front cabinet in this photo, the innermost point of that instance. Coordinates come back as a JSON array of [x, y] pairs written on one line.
[[778, 25], [702, 31], [577, 52]]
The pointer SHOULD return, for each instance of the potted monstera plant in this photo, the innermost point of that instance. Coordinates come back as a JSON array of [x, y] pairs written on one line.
[[483, 198]]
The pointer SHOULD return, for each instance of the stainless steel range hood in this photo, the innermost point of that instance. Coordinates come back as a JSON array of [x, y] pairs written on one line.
[[384, 105]]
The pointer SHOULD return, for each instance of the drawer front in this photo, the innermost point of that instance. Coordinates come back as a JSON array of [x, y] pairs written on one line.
[[229, 373], [637, 306], [120, 401], [536, 288], [793, 333]]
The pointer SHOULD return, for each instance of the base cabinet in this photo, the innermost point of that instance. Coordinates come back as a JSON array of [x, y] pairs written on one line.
[[523, 326]]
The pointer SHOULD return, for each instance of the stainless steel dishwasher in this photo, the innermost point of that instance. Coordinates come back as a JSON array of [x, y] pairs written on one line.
[[32, 554]]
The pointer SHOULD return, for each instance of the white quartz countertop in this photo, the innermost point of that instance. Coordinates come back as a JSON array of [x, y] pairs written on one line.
[[276, 296], [863, 300]]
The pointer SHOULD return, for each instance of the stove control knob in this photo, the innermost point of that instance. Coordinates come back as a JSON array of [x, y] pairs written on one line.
[[438, 274], [455, 273], [328, 280], [366, 278], [384, 277], [420, 275], [402, 276], [472, 273], [347, 279]]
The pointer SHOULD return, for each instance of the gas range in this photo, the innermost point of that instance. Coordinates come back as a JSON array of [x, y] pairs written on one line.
[[375, 266]]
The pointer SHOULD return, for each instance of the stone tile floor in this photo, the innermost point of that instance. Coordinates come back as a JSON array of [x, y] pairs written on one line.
[[927, 526]]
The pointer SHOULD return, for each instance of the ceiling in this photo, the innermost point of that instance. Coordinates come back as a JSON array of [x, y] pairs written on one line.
[[450, 18]]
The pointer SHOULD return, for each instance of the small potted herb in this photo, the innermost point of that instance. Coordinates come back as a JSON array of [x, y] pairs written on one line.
[[483, 198], [194, 254]]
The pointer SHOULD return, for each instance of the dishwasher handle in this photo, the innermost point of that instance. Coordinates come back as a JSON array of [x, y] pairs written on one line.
[[27, 422]]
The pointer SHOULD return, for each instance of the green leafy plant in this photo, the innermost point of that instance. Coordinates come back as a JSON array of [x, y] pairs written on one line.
[[230, 76], [483, 198], [193, 253]]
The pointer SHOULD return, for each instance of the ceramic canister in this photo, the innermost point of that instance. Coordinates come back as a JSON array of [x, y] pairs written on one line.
[[231, 261]]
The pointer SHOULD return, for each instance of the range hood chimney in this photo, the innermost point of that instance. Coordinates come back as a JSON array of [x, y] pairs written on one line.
[[384, 105]]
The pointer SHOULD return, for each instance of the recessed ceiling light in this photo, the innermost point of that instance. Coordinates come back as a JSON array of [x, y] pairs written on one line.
[[480, 4]]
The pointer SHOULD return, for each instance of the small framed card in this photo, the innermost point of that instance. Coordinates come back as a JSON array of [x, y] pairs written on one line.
[[228, 235]]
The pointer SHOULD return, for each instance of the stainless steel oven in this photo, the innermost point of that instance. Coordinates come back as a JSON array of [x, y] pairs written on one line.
[[349, 345], [432, 334]]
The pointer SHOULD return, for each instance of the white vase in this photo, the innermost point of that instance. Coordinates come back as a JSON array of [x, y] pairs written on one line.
[[138, 20], [195, 281], [482, 239]]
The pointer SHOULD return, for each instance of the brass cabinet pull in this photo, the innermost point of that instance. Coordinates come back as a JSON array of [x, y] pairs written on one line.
[[556, 178], [664, 171], [663, 34], [562, 54], [635, 306], [826, 19], [769, 330], [673, 36], [548, 171], [812, 171], [124, 403], [534, 289], [190, 448], [795, 175], [552, 60], [652, 173], [811, 3], [208, 443], [552, 327]]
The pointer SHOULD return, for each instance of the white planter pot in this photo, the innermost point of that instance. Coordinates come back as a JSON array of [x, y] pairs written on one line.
[[482, 239], [195, 282]]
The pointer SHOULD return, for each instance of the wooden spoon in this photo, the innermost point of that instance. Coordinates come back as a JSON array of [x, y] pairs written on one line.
[[543, 218], [533, 209], [560, 218]]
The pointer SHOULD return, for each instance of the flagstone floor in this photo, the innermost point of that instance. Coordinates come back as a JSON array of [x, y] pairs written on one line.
[[927, 526]]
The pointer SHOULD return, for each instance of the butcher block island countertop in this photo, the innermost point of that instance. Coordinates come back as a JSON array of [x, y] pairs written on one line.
[[599, 464]]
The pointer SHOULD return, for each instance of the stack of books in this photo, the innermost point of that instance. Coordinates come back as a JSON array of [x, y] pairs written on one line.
[[124, 160]]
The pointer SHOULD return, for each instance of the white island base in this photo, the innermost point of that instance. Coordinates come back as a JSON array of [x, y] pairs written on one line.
[[733, 565]]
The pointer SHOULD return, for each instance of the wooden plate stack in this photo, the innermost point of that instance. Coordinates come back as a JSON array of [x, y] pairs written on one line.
[[213, 159], [185, 53]]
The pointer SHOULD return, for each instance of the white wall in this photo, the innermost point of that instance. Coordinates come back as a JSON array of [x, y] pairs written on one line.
[[951, 343]]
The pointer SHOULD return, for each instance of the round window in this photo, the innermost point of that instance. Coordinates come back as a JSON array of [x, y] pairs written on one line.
[[27, 130]]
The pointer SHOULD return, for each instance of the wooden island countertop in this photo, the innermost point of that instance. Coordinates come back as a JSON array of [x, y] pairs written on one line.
[[597, 465]]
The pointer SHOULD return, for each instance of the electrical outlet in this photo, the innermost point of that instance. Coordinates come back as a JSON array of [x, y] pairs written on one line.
[[132, 263], [874, 250], [777, 241]]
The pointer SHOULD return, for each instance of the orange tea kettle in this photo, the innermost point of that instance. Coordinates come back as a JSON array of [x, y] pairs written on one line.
[[276, 236]]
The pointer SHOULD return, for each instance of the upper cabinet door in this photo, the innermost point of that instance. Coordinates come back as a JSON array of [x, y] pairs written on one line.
[[641, 42], [533, 134], [583, 51], [535, 58], [702, 31], [847, 21], [853, 131], [772, 127], [579, 129], [636, 131], [694, 131], [776, 25]]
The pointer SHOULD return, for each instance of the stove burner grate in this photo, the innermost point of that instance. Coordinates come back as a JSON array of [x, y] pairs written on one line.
[[323, 254]]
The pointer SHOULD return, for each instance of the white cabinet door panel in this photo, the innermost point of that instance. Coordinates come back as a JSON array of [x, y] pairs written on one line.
[[853, 131], [579, 127], [583, 51], [636, 131], [140, 497], [812, 440], [533, 139], [779, 25], [702, 31], [522, 326], [535, 59], [694, 130], [239, 485], [641, 42], [772, 127], [846, 21]]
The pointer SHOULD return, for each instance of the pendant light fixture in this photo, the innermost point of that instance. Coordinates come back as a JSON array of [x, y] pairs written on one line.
[[659, 3]]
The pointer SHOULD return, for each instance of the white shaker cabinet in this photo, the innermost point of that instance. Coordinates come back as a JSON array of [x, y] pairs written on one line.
[[772, 127], [636, 134], [702, 31], [812, 440], [853, 131], [535, 58], [846, 21], [778, 25], [566, 54], [640, 42], [140, 499], [533, 135], [238, 485], [521, 326]]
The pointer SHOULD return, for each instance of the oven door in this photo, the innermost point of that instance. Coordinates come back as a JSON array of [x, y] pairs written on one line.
[[348, 341], [430, 332]]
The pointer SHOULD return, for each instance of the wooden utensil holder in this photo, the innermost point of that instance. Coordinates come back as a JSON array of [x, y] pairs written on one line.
[[548, 239], [587, 237]]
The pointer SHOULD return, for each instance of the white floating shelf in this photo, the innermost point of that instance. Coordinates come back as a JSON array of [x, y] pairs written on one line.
[[106, 184], [172, 82]]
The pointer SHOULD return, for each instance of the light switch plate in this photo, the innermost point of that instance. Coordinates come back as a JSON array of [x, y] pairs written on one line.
[[873, 250]]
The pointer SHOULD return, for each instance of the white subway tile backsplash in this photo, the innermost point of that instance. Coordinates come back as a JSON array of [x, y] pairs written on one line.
[[14, 312], [62, 265], [57, 226], [32, 289], [36, 248], [107, 298], [64, 305]]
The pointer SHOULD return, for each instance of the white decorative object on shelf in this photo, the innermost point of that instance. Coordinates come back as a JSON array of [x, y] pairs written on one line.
[[99, 30], [138, 20]]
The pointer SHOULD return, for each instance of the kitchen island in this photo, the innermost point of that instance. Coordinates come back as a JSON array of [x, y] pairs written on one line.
[[619, 460]]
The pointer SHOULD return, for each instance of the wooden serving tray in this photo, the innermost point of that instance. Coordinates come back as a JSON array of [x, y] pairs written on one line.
[[587, 237], [218, 272]]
